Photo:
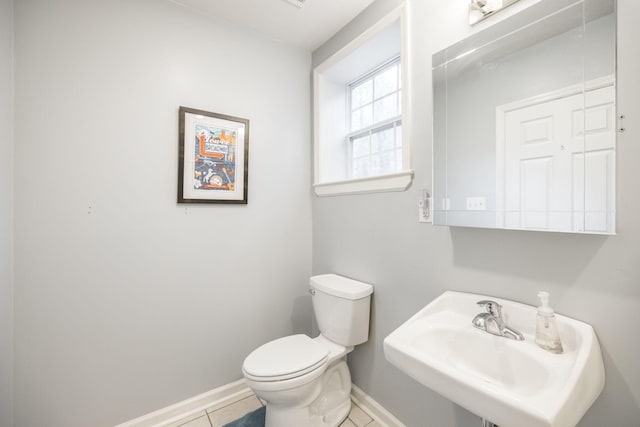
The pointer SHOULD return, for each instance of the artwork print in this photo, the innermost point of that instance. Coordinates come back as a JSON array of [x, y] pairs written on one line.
[[213, 157]]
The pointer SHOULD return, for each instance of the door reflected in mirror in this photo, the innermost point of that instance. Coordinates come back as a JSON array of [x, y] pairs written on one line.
[[525, 122]]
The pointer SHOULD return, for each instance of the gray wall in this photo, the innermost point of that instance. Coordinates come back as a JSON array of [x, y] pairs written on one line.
[[376, 238], [6, 211], [126, 302]]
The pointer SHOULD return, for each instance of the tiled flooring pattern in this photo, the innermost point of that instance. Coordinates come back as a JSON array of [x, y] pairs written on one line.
[[218, 416]]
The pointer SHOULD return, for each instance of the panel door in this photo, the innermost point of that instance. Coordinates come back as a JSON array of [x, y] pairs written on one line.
[[559, 170]]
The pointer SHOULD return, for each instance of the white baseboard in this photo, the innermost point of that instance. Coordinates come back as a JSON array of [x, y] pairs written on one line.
[[373, 408], [238, 390], [229, 392]]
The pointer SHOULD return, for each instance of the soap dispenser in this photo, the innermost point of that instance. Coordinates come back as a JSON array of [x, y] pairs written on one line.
[[547, 336]]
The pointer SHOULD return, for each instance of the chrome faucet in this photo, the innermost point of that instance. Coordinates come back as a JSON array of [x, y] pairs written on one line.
[[492, 321]]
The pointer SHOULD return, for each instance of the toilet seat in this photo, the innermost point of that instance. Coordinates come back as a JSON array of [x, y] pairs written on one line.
[[285, 358]]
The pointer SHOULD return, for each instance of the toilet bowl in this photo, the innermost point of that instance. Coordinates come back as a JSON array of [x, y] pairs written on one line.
[[305, 381]]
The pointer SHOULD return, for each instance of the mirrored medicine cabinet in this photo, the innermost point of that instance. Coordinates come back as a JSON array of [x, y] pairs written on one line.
[[524, 117]]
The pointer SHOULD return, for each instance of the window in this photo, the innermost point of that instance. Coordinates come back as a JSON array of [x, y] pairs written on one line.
[[375, 122], [360, 122]]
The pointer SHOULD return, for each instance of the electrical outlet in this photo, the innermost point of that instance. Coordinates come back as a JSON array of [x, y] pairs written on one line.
[[424, 210], [425, 206]]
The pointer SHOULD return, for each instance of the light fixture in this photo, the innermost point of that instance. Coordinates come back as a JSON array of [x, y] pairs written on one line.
[[481, 9]]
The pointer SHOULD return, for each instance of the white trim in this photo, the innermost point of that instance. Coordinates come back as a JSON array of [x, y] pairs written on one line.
[[391, 182], [316, 127], [405, 80], [238, 390], [373, 408], [227, 393]]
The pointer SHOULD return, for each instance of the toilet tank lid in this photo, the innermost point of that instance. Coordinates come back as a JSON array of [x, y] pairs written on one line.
[[340, 286]]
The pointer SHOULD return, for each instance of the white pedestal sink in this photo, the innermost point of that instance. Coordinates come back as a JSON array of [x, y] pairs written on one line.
[[510, 383]]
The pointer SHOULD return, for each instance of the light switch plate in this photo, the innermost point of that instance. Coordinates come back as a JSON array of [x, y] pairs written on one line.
[[476, 203]]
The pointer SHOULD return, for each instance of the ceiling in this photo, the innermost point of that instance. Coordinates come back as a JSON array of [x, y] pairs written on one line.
[[307, 27]]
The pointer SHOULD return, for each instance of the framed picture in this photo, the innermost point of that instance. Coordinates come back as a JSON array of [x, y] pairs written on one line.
[[214, 158]]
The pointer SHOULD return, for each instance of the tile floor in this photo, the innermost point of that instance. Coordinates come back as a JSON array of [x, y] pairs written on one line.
[[219, 415]]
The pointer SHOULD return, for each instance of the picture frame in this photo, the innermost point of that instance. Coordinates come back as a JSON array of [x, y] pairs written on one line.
[[213, 165]]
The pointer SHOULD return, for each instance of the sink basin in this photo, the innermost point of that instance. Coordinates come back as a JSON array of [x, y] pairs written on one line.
[[510, 383]]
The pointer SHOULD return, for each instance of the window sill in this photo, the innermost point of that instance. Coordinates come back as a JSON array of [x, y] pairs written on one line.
[[376, 184]]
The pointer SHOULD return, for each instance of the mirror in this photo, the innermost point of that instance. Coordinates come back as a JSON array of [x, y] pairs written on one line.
[[525, 122]]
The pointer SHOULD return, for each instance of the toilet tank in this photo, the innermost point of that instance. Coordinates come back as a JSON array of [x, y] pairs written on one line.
[[341, 306]]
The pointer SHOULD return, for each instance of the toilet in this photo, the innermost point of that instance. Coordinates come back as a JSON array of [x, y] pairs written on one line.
[[305, 381]]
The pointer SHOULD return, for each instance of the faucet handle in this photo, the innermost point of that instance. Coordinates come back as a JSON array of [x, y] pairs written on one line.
[[492, 307]]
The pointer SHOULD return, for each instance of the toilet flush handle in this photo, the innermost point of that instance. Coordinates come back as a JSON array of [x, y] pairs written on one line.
[[312, 292]]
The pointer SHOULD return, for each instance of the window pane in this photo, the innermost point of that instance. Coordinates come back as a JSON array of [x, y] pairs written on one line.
[[399, 136], [383, 140], [356, 120], [361, 94], [386, 82], [378, 149], [360, 168], [385, 108], [360, 146], [361, 117], [388, 162], [375, 166], [399, 147]]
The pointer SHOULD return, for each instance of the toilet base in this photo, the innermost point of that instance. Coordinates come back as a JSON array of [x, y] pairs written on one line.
[[334, 403], [333, 418], [300, 417], [286, 416], [328, 409]]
